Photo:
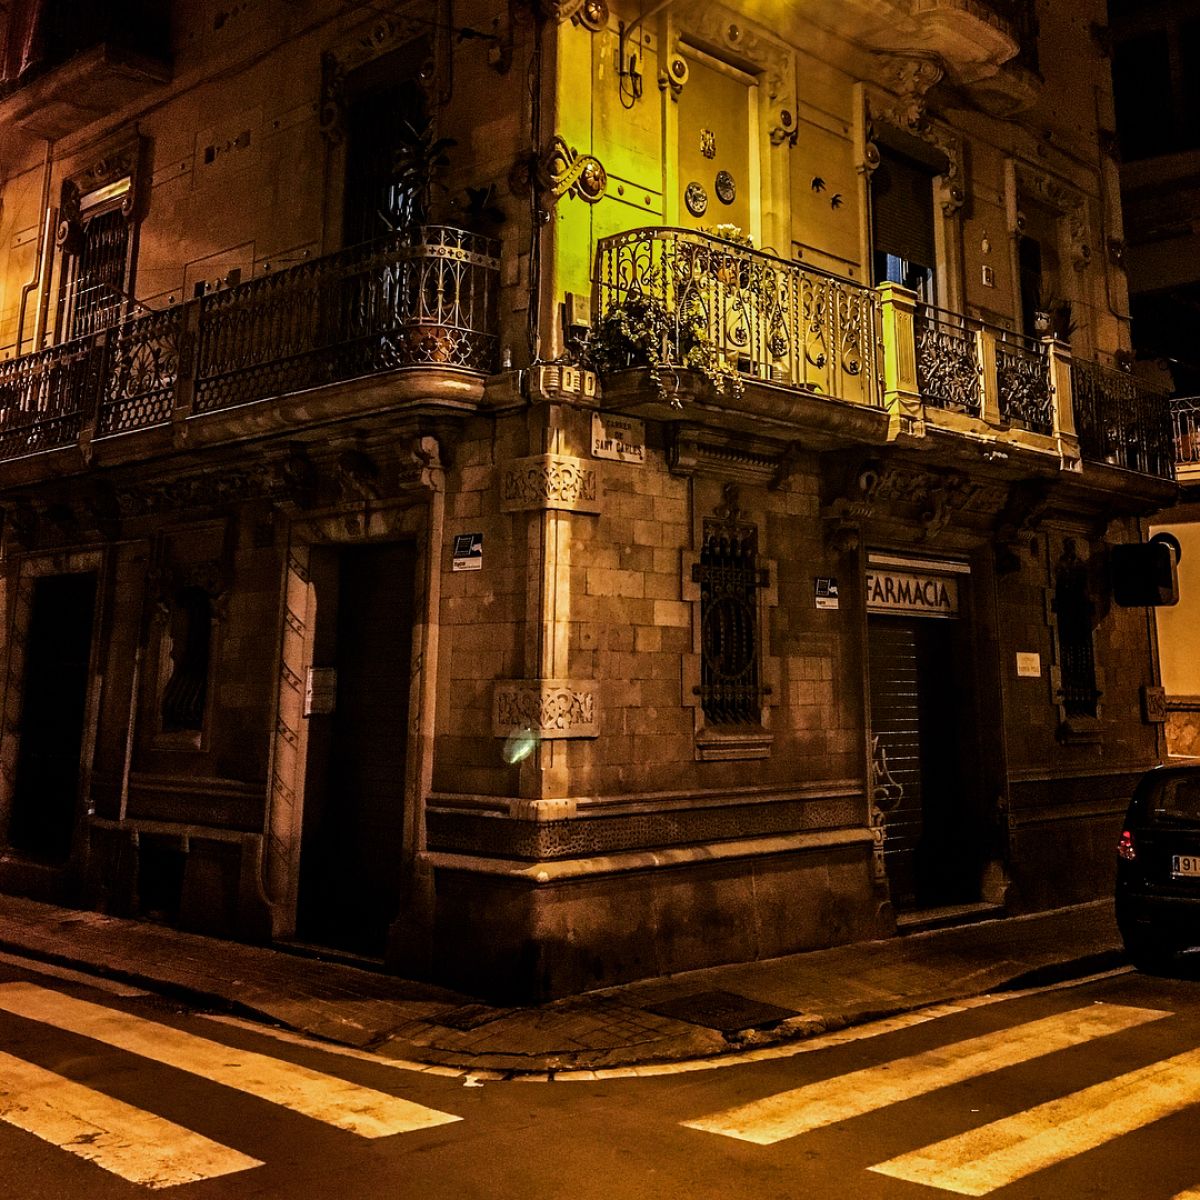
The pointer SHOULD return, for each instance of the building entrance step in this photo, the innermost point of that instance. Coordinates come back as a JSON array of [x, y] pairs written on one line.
[[920, 919]]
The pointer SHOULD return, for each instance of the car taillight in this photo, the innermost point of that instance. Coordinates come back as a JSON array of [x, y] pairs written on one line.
[[1125, 847]]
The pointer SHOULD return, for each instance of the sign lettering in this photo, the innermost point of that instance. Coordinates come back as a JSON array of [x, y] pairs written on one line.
[[912, 594]]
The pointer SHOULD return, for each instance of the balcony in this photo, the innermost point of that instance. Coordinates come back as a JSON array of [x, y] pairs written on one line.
[[1122, 421], [973, 38], [807, 337], [71, 62], [1185, 426], [360, 313], [840, 363]]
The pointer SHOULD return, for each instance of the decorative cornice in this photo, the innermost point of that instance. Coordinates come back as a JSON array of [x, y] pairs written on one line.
[[549, 708], [369, 42], [1067, 201], [697, 450], [550, 481]]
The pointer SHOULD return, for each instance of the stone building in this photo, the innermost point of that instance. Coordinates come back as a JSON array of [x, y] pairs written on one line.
[[1156, 62], [549, 493]]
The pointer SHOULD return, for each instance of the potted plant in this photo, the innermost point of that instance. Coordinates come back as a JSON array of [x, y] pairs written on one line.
[[1053, 318], [640, 330]]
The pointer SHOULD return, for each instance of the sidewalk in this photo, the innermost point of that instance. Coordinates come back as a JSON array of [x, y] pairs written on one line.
[[694, 1015]]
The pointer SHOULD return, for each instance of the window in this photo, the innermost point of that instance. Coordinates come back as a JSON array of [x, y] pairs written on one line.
[[731, 691], [386, 110], [902, 226], [94, 277], [1077, 657], [189, 640]]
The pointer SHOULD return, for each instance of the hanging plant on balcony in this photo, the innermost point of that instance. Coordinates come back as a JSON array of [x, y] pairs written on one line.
[[641, 331]]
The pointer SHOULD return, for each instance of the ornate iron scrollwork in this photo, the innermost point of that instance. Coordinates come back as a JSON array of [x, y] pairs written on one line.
[[731, 690], [562, 171]]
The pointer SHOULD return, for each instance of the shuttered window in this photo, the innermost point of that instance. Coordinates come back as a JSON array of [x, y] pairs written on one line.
[[902, 209]]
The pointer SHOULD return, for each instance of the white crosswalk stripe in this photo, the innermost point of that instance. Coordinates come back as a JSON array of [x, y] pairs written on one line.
[[788, 1114], [124, 1140], [984, 1159], [361, 1110]]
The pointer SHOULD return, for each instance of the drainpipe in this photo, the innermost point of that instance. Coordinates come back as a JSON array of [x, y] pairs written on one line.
[[42, 249]]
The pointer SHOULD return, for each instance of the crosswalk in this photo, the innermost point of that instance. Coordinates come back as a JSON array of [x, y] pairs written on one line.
[[998, 1153], [147, 1149]]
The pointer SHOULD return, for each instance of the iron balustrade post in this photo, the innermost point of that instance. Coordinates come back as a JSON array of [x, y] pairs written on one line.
[[185, 375], [985, 353], [91, 389], [1062, 397], [901, 389]]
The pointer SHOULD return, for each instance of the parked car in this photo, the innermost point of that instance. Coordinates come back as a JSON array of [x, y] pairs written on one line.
[[1158, 866]]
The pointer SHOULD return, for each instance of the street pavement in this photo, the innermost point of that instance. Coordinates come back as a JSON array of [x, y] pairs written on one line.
[[722, 1011]]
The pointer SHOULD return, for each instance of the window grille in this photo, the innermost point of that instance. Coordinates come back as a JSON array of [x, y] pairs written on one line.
[[1073, 610], [731, 689]]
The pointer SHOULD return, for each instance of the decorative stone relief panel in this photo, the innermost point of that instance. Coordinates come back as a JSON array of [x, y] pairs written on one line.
[[550, 481], [550, 708], [1058, 195], [718, 26]]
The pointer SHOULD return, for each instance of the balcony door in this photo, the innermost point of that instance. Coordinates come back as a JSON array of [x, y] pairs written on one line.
[[385, 105], [716, 135]]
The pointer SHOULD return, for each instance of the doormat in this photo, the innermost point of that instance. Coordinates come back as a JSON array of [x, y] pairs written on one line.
[[724, 1011], [466, 1017]]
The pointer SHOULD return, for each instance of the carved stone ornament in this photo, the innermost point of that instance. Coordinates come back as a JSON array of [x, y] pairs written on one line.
[[930, 498], [549, 708], [549, 481], [286, 478], [723, 28], [1068, 202], [122, 160], [902, 111], [380, 36], [562, 171], [910, 80]]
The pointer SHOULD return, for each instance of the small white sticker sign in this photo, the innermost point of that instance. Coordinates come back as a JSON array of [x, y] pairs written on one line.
[[826, 592], [1029, 664], [623, 439], [468, 551], [320, 691]]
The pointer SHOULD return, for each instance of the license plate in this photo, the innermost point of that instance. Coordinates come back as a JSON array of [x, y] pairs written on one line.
[[1186, 865]]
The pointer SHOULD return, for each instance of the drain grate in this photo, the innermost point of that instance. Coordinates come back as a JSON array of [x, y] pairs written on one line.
[[467, 1017], [724, 1011]]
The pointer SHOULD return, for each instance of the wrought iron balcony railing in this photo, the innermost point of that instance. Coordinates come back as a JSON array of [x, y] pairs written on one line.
[[959, 357], [1121, 420], [1185, 422], [373, 308], [763, 316]]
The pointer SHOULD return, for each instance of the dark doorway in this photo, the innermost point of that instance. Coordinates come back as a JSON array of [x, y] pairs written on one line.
[[57, 651], [922, 722], [353, 836]]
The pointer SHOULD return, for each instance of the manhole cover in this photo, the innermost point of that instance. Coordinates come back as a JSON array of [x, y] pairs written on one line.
[[467, 1016], [726, 1011]]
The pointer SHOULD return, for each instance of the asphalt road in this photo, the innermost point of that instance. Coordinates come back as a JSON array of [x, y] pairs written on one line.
[[1089, 1090]]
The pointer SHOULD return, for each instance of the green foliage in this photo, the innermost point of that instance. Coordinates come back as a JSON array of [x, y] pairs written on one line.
[[417, 162], [641, 331]]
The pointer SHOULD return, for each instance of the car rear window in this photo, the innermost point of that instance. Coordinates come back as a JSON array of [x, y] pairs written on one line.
[[1179, 798]]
